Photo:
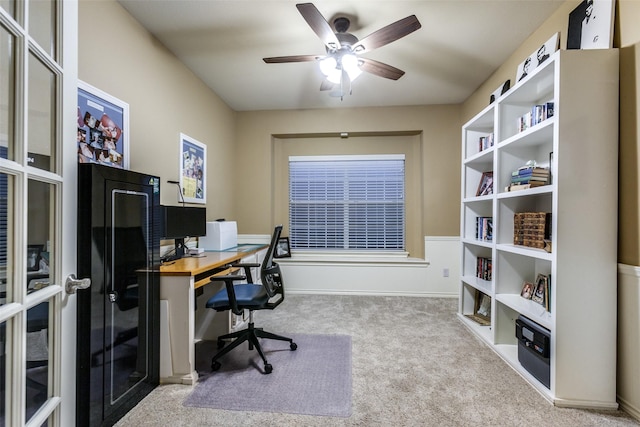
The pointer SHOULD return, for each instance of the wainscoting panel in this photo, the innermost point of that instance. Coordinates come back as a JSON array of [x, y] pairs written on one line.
[[436, 276], [628, 381]]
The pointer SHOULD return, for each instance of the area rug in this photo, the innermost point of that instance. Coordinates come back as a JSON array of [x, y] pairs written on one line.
[[313, 380]]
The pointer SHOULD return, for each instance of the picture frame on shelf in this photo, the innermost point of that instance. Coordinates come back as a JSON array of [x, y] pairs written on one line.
[[540, 295], [283, 249], [501, 90], [103, 128], [538, 57], [193, 170], [591, 25], [527, 290], [482, 308], [485, 187]]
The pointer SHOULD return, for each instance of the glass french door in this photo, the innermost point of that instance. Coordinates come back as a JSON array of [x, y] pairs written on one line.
[[38, 72]]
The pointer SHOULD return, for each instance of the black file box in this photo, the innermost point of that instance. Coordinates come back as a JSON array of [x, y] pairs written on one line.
[[534, 349]]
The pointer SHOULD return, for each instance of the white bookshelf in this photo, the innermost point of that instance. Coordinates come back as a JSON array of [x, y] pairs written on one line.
[[582, 199]]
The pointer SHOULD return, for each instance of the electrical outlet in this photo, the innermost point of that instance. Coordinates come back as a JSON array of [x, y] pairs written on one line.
[[445, 272]]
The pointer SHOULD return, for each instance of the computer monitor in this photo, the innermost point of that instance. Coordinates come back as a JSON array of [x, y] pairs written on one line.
[[180, 222]]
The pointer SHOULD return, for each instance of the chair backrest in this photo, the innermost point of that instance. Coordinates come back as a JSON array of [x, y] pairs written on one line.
[[270, 270]]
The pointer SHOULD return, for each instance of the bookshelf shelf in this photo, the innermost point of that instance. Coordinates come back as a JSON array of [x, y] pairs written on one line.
[[578, 146]]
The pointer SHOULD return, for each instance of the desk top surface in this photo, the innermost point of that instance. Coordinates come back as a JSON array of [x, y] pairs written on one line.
[[191, 266]]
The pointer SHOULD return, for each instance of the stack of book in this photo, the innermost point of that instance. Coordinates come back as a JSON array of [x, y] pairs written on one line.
[[528, 177], [531, 229]]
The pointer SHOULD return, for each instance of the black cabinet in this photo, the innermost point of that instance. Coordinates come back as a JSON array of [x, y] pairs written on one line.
[[118, 315]]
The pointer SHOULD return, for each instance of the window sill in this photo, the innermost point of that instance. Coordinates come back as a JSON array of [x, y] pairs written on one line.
[[352, 257]]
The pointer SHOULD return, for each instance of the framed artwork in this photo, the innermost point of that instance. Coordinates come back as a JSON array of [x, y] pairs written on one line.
[[538, 57], [482, 309], [485, 186], [193, 169], [527, 290], [504, 87], [540, 294], [103, 128], [591, 25], [282, 248]]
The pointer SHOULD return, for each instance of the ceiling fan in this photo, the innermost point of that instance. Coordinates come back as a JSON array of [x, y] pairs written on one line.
[[342, 64]]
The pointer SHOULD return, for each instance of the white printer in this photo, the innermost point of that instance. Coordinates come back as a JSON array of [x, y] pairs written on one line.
[[221, 235]]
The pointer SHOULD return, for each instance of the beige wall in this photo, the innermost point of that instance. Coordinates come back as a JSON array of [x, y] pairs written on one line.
[[164, 98], [439, 139]]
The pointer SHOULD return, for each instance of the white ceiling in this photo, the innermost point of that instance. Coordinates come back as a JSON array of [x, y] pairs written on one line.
[[461, 43]]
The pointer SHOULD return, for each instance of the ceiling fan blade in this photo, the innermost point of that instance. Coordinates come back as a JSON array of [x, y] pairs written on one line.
[[388, 34], [319, 25], [294, 58], [380, 69]]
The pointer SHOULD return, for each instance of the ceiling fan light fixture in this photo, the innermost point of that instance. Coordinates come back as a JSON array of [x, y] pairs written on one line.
[[327, 65], [351, 65], [334, 76]]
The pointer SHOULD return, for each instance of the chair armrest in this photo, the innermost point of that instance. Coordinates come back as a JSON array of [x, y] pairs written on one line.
[[228, 280]]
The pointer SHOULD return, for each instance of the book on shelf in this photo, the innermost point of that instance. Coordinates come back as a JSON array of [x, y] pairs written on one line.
[[484, 228], [485, 142], [532, 176], [483, 268], [531, 229], [536, 115]]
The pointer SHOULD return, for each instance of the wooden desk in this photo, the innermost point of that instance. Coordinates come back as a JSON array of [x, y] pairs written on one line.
[[181, 324]]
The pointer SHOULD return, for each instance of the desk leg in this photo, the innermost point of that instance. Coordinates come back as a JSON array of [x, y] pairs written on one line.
[[178, 292]]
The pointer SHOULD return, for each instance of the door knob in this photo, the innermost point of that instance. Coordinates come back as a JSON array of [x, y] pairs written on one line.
[[72, 284]]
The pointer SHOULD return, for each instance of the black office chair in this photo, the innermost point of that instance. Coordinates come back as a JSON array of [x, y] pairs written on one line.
[[250, 296]]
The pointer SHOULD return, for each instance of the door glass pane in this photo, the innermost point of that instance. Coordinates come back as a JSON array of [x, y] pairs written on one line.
[[6, 237], [7, 93], [42, 24], [41, 127], [4, 381], [9, 6], [39, 227], [129, 296], [37, 375]]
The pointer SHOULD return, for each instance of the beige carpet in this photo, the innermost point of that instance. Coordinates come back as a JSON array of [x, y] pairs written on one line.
[[414, 364]]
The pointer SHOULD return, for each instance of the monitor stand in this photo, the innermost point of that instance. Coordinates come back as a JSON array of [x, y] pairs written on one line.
[[179, 244]]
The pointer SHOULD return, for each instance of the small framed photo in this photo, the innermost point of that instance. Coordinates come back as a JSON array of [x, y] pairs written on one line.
[[527, 290], [483, 306], [486, 184], [541, 292], [193, 170], [282, 248]]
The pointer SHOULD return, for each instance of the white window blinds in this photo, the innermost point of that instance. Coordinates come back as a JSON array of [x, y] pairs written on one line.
[[347, 202]]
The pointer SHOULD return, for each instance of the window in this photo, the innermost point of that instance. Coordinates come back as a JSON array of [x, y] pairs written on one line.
[[347, 202]]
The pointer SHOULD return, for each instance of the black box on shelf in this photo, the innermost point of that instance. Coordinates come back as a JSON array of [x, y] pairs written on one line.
[[533, 349]]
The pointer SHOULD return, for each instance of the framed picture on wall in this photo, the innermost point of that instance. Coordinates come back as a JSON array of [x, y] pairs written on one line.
[[103, 128], [193, 169]]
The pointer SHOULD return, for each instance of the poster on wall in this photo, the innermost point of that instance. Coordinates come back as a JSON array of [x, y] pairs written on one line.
[[591, 25], [103, 128], [193, 155]]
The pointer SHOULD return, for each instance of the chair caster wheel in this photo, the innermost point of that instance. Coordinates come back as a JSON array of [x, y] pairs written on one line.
[[293, 346], [268, 368], [220, 344], [215, 366]]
